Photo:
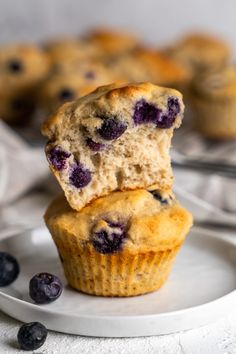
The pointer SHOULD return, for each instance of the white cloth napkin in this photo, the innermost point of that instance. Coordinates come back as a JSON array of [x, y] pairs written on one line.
[[208, 196], [26, 186]]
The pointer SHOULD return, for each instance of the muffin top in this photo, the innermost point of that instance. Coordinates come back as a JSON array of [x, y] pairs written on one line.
[[141, 219], [61, 88], [145, 64], [200, 51], [216, 84], [111, 42], [22, 65], [65, 54]]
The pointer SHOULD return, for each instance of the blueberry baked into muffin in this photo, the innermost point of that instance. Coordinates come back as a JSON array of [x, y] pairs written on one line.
[[22, 68], [212, 100], [116, 138], [123, 244]]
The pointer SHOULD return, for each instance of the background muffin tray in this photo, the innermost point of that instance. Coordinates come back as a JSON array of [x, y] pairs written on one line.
[[201, 288]]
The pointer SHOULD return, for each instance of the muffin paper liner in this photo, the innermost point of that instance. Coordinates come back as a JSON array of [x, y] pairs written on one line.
[[121, 274], [214, 119]]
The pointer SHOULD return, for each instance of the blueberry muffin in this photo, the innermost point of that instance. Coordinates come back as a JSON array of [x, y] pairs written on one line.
[[112, 43], [123, 244], [22, 68], [200, 52], [213, 103], [116, 138], [69, 85], [66, 54], [145, 64]]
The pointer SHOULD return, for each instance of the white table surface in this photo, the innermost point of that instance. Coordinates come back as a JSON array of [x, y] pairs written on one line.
[[217, 338]]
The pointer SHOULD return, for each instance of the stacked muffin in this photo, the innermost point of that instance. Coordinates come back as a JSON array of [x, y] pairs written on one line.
[[118, 228]]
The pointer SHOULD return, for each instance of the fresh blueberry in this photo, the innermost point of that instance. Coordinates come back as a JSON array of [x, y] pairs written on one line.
[[158, 196], [111, 129], [66, 94], [145, 112], [45, 288], [166, 120], [95, 146], [90, 75], [9, 269], [80, 176], [15, 66], [57, 157], [110, 239], [32, 336]]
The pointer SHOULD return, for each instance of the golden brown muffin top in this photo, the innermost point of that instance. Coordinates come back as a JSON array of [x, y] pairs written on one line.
[[200, 51], [150, 222], [22, 65], [145, 64], [109, 98], [112, 42]]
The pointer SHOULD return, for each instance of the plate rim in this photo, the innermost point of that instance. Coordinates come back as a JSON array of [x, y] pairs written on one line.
[[225, 300]]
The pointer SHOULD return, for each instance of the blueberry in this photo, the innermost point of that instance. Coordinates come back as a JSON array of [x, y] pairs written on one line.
[[90, 75], [80, 176], [57, 157], [95, 146], [111, 129], [110, 239], [145, 112], [15, 66], [32, 336], [9, 269], [173, 105], [66, 94], [45, 288], [20, 104], [166, 120], [158, 196]]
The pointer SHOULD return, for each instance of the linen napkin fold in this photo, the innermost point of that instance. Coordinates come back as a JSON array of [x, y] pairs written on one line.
[[21, 166]]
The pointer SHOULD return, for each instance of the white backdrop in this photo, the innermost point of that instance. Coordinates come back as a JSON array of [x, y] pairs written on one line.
[[156, 20]]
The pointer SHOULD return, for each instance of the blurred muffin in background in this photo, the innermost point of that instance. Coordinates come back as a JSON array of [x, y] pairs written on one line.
[[112, 43], [66, 54], [212, 98], [144, 64], [62, 88], [22, 68], [200, 52], [65, 86]]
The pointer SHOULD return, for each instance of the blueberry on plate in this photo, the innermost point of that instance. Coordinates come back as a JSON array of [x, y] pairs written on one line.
[[32, 336], [9, 269], [45, 288]]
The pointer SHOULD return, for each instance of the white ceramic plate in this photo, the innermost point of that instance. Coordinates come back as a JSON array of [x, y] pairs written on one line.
[[200, 289]]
